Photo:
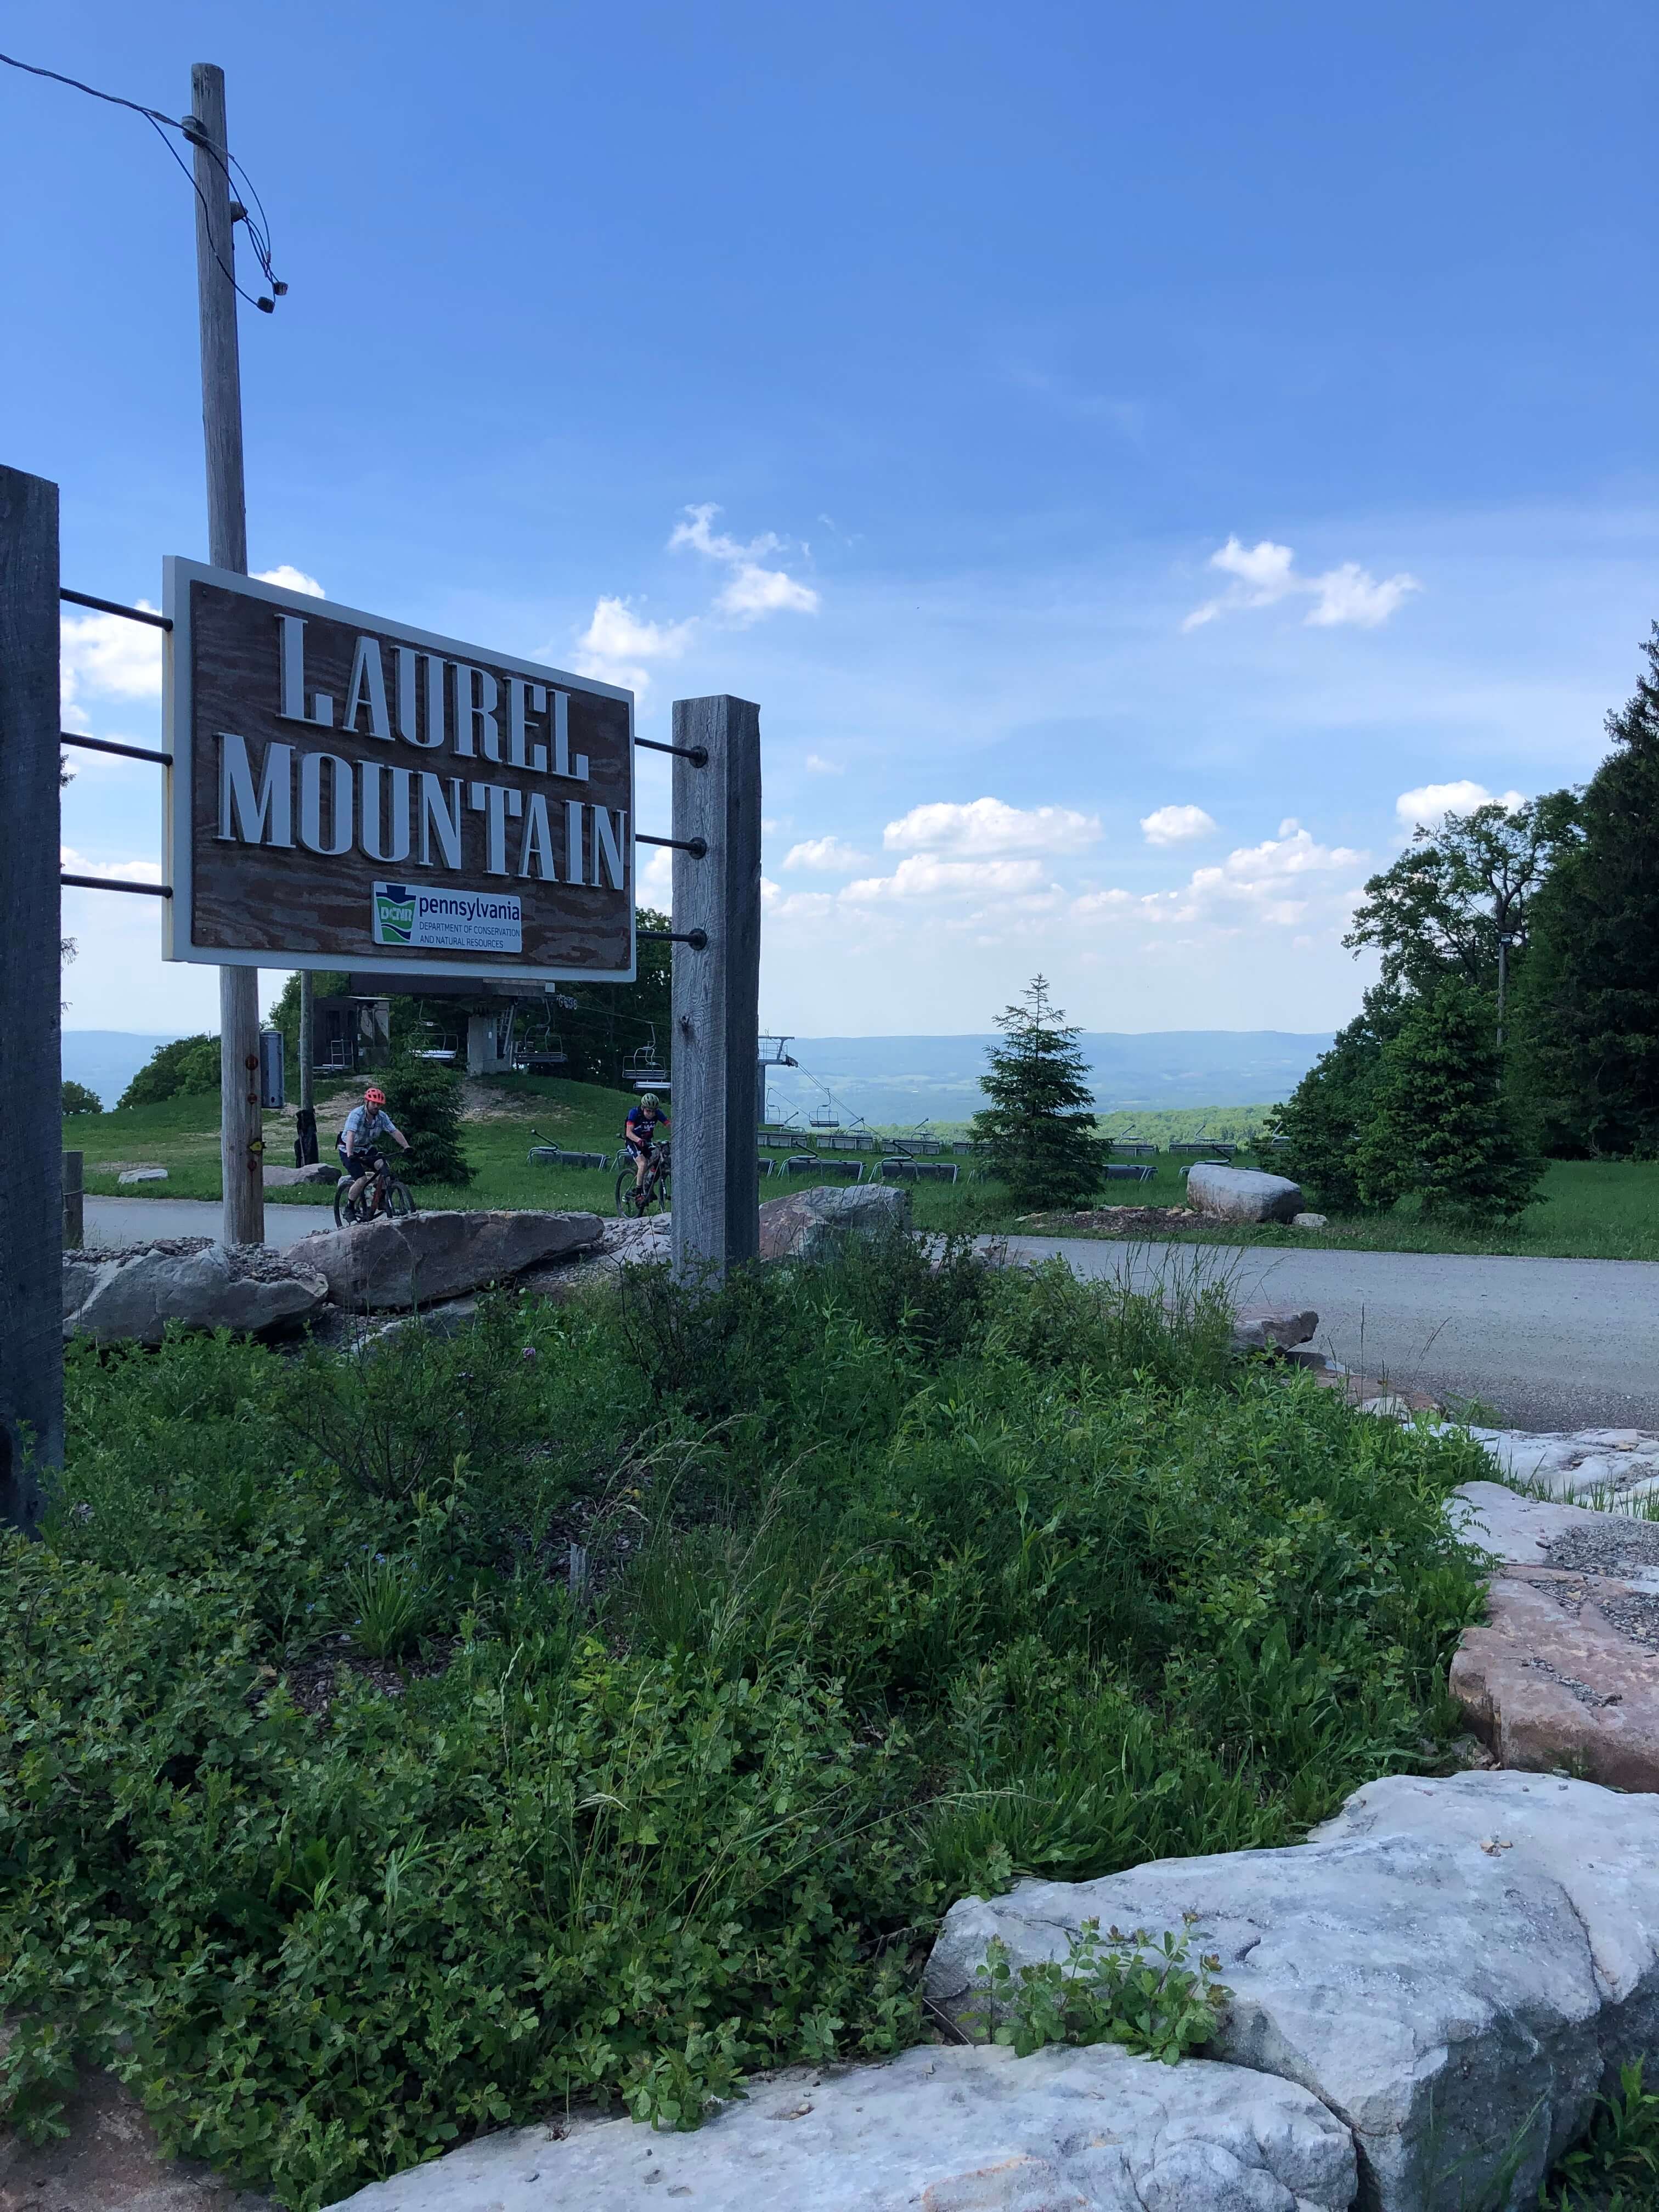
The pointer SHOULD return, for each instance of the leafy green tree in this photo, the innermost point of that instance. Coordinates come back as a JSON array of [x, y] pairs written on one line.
[[1456, 892], [77, 1099], [1588, 1013], [424, 1100], [1039, 1126], [187, 1064], [1324, 1116], [1439, 1123]]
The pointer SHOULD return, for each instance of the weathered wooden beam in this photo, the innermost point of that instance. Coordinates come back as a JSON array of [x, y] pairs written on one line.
[[716, 992], [30, 1081]]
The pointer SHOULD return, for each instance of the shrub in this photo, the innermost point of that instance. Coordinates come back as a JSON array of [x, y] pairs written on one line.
[[904, 1580], [188, 1063], [77, 1099]]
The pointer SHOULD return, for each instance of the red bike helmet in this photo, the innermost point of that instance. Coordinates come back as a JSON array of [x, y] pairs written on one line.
[[373, 1095]]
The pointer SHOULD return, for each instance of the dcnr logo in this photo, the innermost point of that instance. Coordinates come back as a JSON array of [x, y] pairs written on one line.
[[396, 917]]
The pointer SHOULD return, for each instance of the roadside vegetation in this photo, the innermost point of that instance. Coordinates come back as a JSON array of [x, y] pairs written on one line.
[[609, 1699]]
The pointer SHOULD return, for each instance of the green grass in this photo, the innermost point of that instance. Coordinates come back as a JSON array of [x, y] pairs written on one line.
[[1589, 1209], [908, 1576]]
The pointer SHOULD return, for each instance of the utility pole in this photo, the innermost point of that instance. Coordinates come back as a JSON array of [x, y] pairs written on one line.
[[1505, 938], [715, 1214], [31, 1096], [241, 1138]]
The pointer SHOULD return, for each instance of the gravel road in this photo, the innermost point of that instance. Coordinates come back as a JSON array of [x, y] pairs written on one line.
[[1548, 1344]]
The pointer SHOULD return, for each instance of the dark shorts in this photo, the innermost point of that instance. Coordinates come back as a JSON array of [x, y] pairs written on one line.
[[358, 1163]]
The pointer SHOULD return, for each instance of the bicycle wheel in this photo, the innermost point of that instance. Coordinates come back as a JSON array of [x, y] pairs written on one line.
[[399, 1198], [346, 1211], [625, 1207], [658, 1201]]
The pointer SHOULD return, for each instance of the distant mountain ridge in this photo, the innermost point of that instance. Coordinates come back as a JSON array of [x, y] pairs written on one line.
[[890, 1078]]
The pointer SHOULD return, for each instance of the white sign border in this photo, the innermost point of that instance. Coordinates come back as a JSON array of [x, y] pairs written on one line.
[[178, 943]]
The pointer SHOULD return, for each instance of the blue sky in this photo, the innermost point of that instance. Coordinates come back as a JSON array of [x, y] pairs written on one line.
[[906, 368]]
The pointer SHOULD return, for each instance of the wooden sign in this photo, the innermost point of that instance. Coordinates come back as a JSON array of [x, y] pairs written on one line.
[[346, 792]]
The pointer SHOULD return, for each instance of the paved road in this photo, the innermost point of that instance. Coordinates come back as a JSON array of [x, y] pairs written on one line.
[[1549, 1344], [136, 1220]]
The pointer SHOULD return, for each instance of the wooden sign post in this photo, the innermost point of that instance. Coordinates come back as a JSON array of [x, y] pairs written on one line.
[[715, 1218], [31, 1076]]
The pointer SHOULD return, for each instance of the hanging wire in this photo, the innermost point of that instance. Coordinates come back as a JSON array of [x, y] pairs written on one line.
[[258, 232]]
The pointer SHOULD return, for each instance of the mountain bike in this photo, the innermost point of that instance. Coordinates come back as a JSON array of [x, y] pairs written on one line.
[[383, 1195], [652, 1196]]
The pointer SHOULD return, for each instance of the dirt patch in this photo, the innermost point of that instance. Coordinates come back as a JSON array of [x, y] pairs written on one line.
[[480, 1102], [109, 2161], [1115, 1221]]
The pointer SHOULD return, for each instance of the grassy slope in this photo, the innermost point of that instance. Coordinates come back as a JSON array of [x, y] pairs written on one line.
[[1590, 1209]]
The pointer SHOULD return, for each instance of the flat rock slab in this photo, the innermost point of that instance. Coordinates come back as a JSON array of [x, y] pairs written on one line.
[[1450, 1964], [1605, 1465], [388, 1267], [938, 2130], [1243, 1193], [1564, 1672], [131, 1297]]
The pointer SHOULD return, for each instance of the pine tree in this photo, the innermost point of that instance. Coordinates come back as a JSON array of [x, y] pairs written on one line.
[[424, 1100], [1440, 1125], [1038, 1128], [1325, 1114], [1589, 1004]]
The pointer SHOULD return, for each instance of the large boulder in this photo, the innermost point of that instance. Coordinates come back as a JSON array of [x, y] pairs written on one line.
[[1243, 1193], [385, 1266], [938, 2130], [130, 1296], [1451, 1966], [1272, 1329], [813, 1224]]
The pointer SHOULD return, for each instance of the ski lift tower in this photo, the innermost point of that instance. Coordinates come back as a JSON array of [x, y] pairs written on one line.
[[774, 1053]]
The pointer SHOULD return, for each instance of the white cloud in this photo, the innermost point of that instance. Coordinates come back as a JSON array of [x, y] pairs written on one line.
[[1174, 825], [1431, 803], [291, 580], [1265, 573], [131, 872], [823, 854], [815, 764], [990, 825], [925, 875], [1281, 883], [617, 640], [108, 654], [753, 590]]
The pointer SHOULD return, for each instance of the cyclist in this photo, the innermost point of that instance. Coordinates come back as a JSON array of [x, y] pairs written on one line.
[[639, 1134], [359, 1140]]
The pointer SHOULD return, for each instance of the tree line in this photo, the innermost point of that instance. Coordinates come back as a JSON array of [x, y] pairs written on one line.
[[1516, 1015]]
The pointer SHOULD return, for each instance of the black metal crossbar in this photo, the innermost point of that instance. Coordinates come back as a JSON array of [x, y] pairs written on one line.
[[696, 939], [695, 846], [109, 746], [109, 883], [697, 754], [114, 607]]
